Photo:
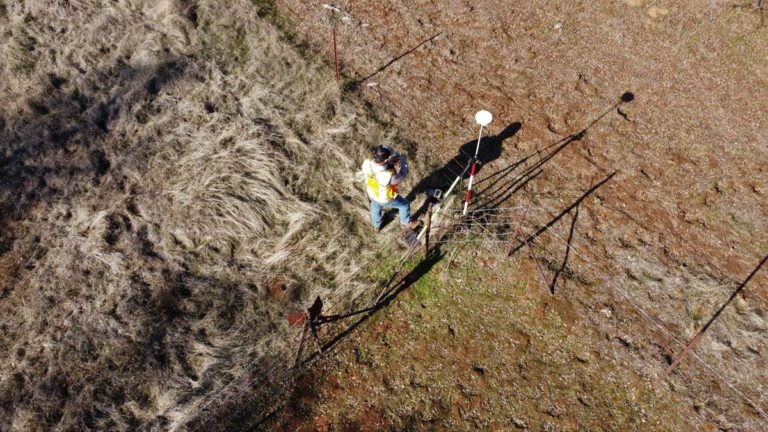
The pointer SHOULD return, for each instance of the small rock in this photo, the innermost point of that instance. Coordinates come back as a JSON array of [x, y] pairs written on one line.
[[647, 174], [634, 3], [520, 424], [553, 410], [741, 305], [321, 423], [719, 187], [583, 86], [685, 216], [625, 340], [582, 357], [656, 12], [557, 125], [550, 427], [758, 188], [558, 26], [181, 239]]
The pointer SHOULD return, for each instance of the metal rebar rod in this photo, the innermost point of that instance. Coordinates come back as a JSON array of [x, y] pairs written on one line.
[[428, 227], [518, 228]]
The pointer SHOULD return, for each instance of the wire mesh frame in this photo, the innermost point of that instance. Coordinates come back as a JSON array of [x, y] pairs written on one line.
[[641, 311], [461, 226], [508, 222]]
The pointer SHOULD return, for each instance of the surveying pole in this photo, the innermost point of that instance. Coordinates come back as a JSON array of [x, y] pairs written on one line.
[[483, 118]]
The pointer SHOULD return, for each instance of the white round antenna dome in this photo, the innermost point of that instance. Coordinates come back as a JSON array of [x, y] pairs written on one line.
[[483, 118]]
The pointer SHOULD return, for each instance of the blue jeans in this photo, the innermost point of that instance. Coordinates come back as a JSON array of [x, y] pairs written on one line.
[[401, 204]]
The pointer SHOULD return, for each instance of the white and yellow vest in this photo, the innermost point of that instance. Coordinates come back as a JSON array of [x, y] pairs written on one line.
[[377, 182]]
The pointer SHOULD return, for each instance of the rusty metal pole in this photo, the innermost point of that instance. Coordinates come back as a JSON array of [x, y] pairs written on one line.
[[517, 230], [426, 234], [536, 260], [516, 238]]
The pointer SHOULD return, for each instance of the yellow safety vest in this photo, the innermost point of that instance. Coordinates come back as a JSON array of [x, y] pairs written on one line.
[[383, 193]]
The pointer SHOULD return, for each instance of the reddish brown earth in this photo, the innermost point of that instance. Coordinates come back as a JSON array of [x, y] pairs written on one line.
[[676, 229]]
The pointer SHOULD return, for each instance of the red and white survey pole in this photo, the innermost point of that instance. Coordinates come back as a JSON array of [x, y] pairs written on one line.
[[483, 118]]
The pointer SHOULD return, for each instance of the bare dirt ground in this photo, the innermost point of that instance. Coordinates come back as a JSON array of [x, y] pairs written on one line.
[[177, 176], [654, 251]]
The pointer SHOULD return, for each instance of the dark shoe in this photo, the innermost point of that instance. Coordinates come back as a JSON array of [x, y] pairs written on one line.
[[414, 224], [410, 239]]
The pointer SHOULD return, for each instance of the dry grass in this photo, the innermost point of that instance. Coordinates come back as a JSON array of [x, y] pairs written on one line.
[[176, 177]]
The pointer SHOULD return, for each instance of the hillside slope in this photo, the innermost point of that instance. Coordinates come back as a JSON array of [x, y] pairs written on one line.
[[174, 178]]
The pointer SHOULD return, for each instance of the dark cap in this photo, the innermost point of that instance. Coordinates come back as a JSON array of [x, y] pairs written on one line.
[[381, 154]]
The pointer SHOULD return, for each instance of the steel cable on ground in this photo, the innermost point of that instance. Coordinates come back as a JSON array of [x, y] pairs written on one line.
[[645, 314], [604, 171], [213, 398], [485, 240], [455, 253], [735, 359], [511, 222], [252, 368], [283, 383], [489, 211], [650, 242], [639, 309]]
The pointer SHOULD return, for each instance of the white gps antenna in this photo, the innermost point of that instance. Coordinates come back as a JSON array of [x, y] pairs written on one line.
[[483, 118]]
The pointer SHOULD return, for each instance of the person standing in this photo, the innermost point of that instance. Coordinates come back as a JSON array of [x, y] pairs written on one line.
[[382, 181]]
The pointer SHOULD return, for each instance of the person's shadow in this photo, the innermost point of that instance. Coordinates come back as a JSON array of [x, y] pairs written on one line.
[[441, 178]]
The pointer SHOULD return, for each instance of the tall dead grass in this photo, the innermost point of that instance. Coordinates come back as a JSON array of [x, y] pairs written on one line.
[[177, 177]]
